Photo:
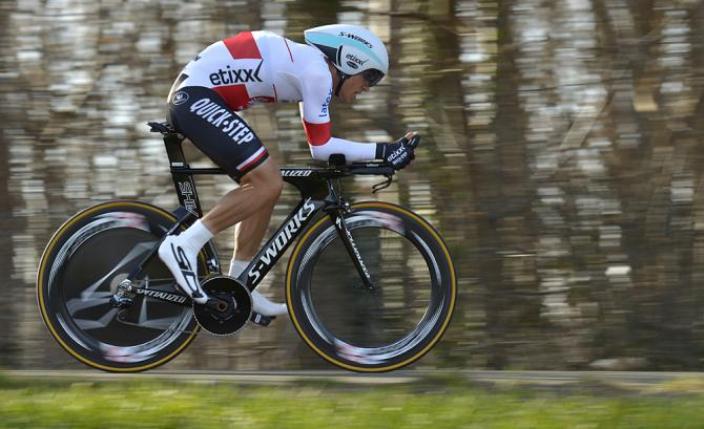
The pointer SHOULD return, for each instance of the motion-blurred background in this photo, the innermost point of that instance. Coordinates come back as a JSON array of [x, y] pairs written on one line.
[[562, 162]]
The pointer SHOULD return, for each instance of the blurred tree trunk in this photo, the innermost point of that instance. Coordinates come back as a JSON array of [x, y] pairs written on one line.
[[498, 177], [695, 121], [629, 80], [516, 260], [681, 304], [9, 345], [448, 136], [8, 340]]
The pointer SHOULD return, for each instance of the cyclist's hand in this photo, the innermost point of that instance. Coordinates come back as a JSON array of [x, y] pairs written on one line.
[[402, 152]]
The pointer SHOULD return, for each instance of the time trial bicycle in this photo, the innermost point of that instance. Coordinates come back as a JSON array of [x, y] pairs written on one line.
[[370, 286]]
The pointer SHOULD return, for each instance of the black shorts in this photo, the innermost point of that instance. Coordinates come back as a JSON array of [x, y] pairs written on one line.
[[200, 114]]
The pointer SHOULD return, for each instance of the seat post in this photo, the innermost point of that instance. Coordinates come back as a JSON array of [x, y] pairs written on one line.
[[180, 171]]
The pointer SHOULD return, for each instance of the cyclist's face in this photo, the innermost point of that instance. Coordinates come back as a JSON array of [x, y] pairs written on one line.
[[352, 87]]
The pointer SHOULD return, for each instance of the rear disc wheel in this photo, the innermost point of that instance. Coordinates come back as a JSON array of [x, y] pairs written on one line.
[[79, 272]]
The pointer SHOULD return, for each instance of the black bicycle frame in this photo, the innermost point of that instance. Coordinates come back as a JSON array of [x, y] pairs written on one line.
[[318, 192]]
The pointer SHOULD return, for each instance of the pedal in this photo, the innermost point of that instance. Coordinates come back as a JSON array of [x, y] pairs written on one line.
[[260, 319]]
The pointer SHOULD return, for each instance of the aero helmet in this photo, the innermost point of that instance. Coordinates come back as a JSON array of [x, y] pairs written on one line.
[[352, 49]]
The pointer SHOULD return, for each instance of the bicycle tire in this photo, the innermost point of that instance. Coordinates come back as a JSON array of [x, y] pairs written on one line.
[[322, 290], [85, 246]]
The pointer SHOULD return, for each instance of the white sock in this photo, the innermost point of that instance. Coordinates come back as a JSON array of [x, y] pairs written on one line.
[[195, 236], [236, 267], [260, 303]]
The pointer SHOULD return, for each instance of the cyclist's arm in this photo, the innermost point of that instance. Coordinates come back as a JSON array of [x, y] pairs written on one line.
[[315, 113]]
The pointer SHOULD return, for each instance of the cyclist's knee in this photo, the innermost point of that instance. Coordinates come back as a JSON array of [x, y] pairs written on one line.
[[274, 187], [277, 187], [266, 179]]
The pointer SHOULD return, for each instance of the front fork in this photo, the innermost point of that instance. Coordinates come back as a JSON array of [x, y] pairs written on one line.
[[337, 214]]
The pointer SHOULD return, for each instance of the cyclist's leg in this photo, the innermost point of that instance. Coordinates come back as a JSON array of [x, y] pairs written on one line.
[[258, 192], [250, 232], [203, 116]]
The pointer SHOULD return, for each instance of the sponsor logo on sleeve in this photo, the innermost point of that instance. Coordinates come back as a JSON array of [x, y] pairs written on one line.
[[325, 109]]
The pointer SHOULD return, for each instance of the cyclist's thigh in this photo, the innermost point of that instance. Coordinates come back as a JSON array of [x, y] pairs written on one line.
[[200, 114]]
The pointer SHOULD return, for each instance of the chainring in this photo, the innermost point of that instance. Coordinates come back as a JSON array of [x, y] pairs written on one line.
[[229, 307]]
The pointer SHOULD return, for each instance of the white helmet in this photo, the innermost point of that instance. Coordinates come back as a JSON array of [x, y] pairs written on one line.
[[352, 49]]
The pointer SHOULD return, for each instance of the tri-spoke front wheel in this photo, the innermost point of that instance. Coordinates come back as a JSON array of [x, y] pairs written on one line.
[[80, 270], [378, 328]]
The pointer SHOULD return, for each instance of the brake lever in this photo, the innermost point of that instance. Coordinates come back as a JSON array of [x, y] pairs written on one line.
[[383, 185]]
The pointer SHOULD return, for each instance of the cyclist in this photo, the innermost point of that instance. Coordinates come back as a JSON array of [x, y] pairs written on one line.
[[259, 66]]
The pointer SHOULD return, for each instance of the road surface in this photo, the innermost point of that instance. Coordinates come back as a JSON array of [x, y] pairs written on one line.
[[630, 380]]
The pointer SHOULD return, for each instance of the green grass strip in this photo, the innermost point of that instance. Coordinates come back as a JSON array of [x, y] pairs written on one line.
[[158, 404]]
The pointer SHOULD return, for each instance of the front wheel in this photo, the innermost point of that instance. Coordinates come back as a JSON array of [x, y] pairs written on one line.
[[80, 270], [379, 329]]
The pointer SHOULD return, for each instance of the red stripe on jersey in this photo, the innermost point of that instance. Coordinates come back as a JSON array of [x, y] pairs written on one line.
[[318, 134], [289, 49], [236, 96], [242, 46]]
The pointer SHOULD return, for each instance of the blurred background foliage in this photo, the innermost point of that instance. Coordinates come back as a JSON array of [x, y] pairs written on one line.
[[561, 162]]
